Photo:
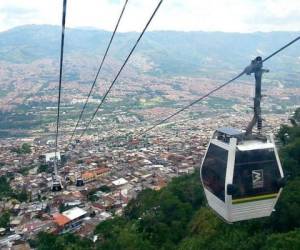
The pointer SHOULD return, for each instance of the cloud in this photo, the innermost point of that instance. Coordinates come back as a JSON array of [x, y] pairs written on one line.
[[212, 15], [114, 1], [280, 15], [15, 11], [12, 15]]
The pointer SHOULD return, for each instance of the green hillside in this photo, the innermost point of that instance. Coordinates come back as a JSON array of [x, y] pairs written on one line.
[[177, 217], [168, 52]]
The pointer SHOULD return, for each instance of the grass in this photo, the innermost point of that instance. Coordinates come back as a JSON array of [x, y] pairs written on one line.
[[146, 103]]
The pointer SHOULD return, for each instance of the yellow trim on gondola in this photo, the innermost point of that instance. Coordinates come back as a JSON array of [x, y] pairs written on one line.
[[254, 198]]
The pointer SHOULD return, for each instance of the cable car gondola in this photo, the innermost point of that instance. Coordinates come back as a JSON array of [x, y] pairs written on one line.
[[79, 182], [241, 171], [56, 184], [56, 179]]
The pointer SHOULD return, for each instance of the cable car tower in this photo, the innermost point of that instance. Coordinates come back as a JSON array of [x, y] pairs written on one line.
[[241, 172]]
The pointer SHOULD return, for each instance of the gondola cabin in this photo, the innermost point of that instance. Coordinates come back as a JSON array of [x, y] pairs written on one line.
[[56, 186], [79, 182], [242, 178], [56, 183]]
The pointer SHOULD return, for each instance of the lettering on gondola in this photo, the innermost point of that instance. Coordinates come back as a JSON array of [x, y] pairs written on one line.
[[258, 178]]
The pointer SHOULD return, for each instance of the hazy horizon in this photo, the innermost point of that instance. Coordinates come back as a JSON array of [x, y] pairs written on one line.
[[107, 30]]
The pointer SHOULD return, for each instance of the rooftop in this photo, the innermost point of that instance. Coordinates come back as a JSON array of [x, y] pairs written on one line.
[[229, 131], [74, 213], [120, 182], [60, 219]]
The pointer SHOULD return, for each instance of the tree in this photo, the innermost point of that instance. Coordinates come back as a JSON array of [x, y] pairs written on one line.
[[118, 234], [296, 115], [22, 196], [106, 229], [283, 241], [26, 148], [63, 207], [105, 189], [4, 187], [287, 214], [4, 219], [44, 168], [46, 241], [283, 134], [205, 223]]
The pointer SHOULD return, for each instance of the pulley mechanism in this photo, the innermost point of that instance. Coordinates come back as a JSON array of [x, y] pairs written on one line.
[[256, 67]]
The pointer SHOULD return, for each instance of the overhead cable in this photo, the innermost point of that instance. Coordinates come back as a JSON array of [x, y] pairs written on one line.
[[98, 72], [121, 69], [60, 73]]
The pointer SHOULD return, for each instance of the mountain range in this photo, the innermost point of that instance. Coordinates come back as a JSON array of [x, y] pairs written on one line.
[[159, 52]]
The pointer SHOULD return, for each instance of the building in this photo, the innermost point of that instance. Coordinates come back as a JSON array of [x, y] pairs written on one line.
[[94, 174], [50, 157], [120, 182], [70, 220], [101, 172]]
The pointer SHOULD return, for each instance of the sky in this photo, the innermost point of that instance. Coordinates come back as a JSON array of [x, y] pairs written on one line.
[[182, 15]]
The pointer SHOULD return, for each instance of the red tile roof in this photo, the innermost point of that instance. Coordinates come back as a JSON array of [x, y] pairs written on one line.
[[60, 219]]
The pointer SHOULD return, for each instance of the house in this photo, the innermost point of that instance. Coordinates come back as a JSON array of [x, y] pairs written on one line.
[[70, 220]]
